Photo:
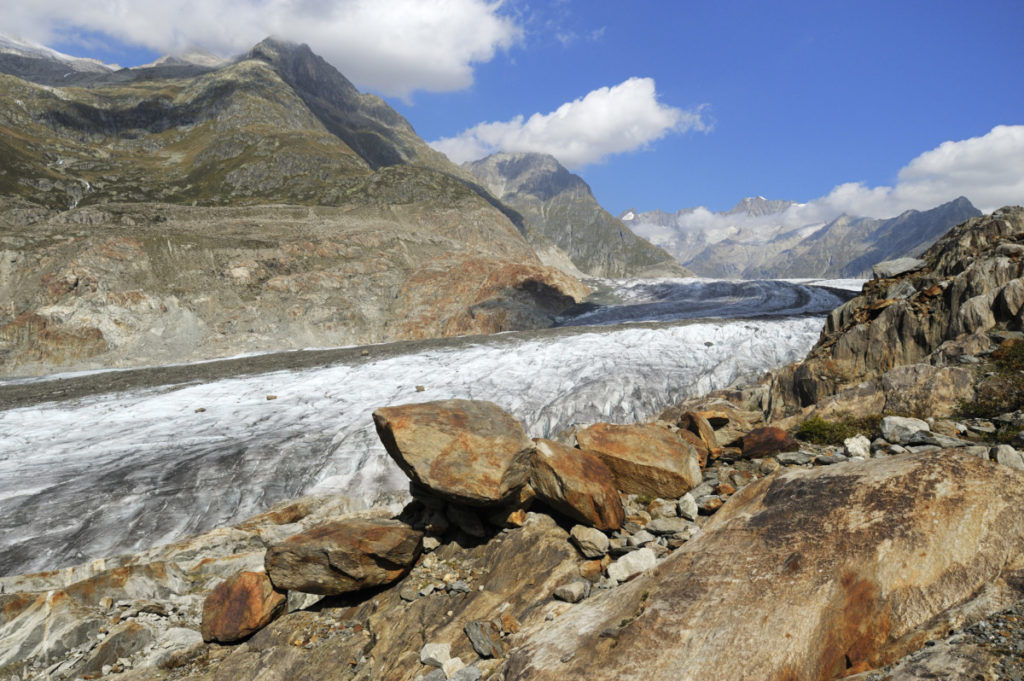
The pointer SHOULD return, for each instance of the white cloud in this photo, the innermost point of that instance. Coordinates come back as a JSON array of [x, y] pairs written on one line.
[[391, 46], [609, 120], [988, 170]]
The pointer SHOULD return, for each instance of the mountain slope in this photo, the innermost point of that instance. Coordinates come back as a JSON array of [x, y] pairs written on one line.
[[145, 218], [560, 208]]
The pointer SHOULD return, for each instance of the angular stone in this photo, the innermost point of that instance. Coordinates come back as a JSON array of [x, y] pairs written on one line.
[[435, 654], [644, 459], [767, 441], [573, 592], [469, 452], [632, 564], [641, 538], [343, 556], [470, 673], [661, 526], [709, 503], [687, 506], [1008, 456], [452, 665], [240, 606], [857, 446], [577, 484], [901, 429], [485, 636], [591, 542], [795, 458], [894, 268], [695, 423]]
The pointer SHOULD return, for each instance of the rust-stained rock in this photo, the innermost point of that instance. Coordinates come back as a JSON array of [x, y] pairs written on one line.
[[467, 451], [810, 574], [344, 556], [577, 484], [767, 441], [240, 606], [645, 459], [695, 423]]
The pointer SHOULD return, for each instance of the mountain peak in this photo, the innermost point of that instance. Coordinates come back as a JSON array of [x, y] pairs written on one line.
[[756, 206]]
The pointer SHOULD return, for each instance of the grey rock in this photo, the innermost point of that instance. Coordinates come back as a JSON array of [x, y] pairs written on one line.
[[632, 564], [1008, 456], [436, 675], [926, 438], [857, 446], [435, 654], [485, 636], [430, 543], [894, 268], [829, 459], [591, 542], [459, 586], [980, 451], [664, 526], [703, 489], [470, 673], [573, 592], [900, 429], [794, 458], [641, 538], [687, 506]]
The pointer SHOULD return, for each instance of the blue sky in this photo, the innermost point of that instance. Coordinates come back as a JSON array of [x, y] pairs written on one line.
[[828, 100]]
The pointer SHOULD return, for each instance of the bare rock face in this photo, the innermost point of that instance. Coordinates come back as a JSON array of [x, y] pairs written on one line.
[[240, 606], [344, 556], [645, 459], [470, 452], [839, 570], [576, 483], [969, 283]]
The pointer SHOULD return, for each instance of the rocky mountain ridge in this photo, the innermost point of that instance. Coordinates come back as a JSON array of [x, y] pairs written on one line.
[[710, 541], [559, 208], [757, 239], [179, 212]]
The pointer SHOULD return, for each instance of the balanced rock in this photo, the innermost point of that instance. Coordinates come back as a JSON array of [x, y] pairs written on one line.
[[839, 569], [766, 441], [645, 459], [467, 451], [240, 606], [343, 556], [577, 484]]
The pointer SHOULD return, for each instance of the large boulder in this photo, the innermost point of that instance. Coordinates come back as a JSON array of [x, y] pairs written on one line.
[[577, 484], [467, 451], [645, 459], [809, 574], [240, 606], [343, 556]]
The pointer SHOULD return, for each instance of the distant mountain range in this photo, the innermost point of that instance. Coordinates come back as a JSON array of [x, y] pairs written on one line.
[[759, 238]]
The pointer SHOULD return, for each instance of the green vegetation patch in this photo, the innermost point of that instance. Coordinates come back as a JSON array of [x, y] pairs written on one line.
[[822, 431], [1000, 388]]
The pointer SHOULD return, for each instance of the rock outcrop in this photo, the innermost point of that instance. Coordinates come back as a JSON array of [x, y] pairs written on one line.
[[840, 570], [969, 286]]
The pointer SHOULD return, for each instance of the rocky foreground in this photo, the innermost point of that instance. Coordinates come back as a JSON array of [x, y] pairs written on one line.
[[709, 544]]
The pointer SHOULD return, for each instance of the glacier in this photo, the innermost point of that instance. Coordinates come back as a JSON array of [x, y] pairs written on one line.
[[105, 474]]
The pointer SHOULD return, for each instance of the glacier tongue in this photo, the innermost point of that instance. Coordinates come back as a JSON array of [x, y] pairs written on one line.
[[113, 473]]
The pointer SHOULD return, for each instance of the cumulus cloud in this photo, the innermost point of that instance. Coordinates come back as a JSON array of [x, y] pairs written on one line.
[[609, 120], [988, 170], [391, 46]]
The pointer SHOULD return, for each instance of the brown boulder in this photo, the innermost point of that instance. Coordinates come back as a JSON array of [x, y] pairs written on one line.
[[645, 459], [767, 441], [467, 451], [695, 423], [810, 574], [343, 556], [240, 606], [575, 483]]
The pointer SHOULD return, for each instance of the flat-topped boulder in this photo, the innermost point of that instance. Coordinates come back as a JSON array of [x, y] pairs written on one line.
[[577, 484], [240, 606], [343, 556], [645, 459], [467, 451], [808, 574]]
